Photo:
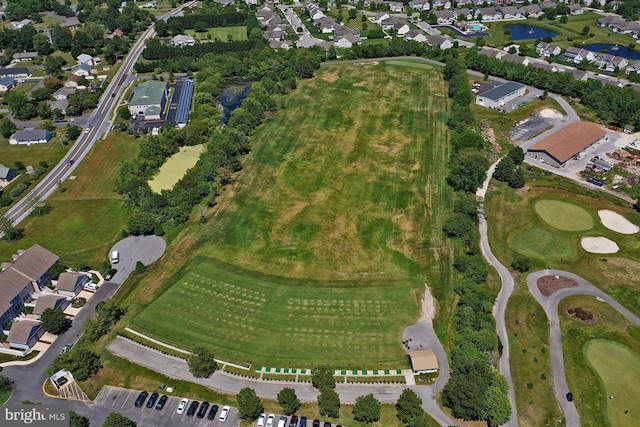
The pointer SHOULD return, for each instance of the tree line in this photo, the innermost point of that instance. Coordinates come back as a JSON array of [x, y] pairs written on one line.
[[155, 49], [177, 24]]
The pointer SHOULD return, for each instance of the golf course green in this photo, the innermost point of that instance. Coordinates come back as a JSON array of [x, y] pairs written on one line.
[[564, 216], [619, 370]]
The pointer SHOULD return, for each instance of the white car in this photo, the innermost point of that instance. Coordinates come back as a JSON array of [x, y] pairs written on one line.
[[261, 420], [86, 130], [271, 420], [225, 413], [182, 406]]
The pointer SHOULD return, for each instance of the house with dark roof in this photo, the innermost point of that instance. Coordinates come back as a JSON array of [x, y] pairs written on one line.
[[24, 56], [52, 301], [17, 73], [500, 95], [30, 136], [7, 83], [25, 334], [71, 284], [7, 175], [82, 70]]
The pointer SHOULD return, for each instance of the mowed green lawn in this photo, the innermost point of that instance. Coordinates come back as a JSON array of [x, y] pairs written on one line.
[[340, 204], [619, 369], [282, 325], [220, 33]]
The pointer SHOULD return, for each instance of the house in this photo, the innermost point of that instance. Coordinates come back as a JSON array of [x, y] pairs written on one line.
[[18, 73], [625, 27], [24, 56], [575, 9], [415, 35], [423, 361], [576, 55], [531, 11], [64, 93], [116, 33], [341, 31], [633, 68], [492, 53], [71, 283], [19, 279], [347, 41], [420, 5], [7, 83], [617, 62], [509, 12], [629, 129], [608, 20], [326, 25], [566, 143], [547, 5], [52, 301], [59, 105], [488, 14], [277, 44], [182, 40], [610, 62], [547, 49], [401, 27], [516, 59], [463, 13], [25, 334], [72, 23], [444, 16], [225, 3], [440, 41], [30, 136], [498, 96], [18, 25], [88, 59], [72, 81], [380, 17], [7, 175], [546, 66], [396, 6], [149, 99], [81, 70], [580, 75]]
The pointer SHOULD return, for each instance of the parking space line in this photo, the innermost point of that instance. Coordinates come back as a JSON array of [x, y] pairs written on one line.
[[125, 400], [115, 399]]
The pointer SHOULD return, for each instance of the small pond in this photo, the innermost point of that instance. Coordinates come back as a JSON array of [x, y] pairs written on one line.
[[524, 32], [175, 167], [614, 49], [231, 98]]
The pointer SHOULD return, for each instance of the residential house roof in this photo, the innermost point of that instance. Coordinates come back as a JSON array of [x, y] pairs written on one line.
[[148, 93], [36, 260], [7, 81], [24, 55], [21, 331], [71, 22], [48, 301], [84, 67], [423, 360], [31, 135], [68, 280], [570, 140], [5, 171]]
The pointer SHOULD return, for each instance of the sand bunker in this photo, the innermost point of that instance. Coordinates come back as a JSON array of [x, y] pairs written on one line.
[[549, 113], [599, 245], [616, 222]]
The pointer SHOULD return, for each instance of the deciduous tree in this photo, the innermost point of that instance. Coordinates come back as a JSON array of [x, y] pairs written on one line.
[[54, 321], [322, 377], [329, 402], [249, 404], [202, 362], [366, 409], [288, 400], [115, 419]]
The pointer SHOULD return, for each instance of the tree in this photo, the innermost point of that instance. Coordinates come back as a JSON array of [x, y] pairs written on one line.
[[366, 409], [5, 384], [504, 169], [73, 132], [322, 377], [289, 401], [124, 113], [517, 179], [81, 362], [108, 314], [53, 64], [41, 44], [249, 404], [62, 38], [7, 127], [56, 269], [54, 321], [329, 402], [77, 420], [585, 30], [11, 233], [115, 419], [41, 94], [497, 408], [140, 268], [516, 154], [409, 406], [202, 362]]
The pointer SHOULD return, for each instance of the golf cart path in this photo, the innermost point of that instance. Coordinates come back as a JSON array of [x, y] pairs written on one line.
[[177, 368], [550, 306]]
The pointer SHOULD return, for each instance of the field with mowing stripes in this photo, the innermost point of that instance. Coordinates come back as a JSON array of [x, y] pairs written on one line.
[[237, 315], [320, 250]]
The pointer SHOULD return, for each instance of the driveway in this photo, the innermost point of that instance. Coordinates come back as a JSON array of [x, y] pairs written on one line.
[[421, 336], [147, 249], [550, 306]]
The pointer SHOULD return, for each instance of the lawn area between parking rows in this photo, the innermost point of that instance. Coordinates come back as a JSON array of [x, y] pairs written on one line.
[[87, 219], [330, 231], [511, 213], [240, 318]]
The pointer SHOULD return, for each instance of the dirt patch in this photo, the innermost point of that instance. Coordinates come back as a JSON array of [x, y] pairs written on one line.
[[428, 311], [550, 113], [550, 284], [581, 314], [330, 77], [360, 84], [490, 134]]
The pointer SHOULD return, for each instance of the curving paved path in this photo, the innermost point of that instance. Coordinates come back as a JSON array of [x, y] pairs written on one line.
[[550, 306]]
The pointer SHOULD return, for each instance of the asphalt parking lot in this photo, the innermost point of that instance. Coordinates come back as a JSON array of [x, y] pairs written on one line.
[[122, 400]]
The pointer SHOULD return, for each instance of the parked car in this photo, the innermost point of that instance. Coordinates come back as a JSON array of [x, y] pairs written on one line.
[[141, 398], [110, 274], [192, 408], [303, 421], [262, 419], [212, 412], [271, 420], [66, 348], [161, 402], [182, 405], [327, 424], [224, 413], [152, 400], [570, 397], [203, 410], [282, 422], [316, 423], [294, 421]]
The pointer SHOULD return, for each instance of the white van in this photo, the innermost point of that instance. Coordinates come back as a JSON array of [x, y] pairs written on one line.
[[115, 257]]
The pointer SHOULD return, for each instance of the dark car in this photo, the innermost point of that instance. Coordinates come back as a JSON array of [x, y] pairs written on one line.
[[110, 274], [327, 424], [152, 400], [71, 162], [303, 421], [316, 423], [192, 408], [294, 421], [212, 412], [141, 398], [570, 397], [203, 410], [161, 402]]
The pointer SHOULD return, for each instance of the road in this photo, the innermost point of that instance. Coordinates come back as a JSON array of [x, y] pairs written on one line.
[[97, 125], [550, 306]]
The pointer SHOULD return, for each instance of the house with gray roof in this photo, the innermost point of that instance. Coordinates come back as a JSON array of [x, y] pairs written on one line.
[[7, 175], [24, 56], [30, 136], [82, 70], [7, 83], [500, 95], [25, 334], [15, 72], [71, 283], [52, 301], [149, 99]]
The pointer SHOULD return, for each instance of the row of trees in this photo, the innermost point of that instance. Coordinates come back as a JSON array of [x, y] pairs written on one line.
[[475, 391], [155, 49], [207, 19], [510, 169]]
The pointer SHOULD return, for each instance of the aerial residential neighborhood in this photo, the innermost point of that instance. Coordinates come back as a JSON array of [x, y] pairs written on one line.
[[320, 213]]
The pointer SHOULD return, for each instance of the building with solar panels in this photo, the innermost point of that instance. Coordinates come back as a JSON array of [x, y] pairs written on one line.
[[184, 103]]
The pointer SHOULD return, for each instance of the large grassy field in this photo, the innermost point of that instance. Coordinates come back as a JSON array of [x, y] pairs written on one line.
[[329, 233], [238, 315], [517, 228], [220, 33], [87, 219]]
